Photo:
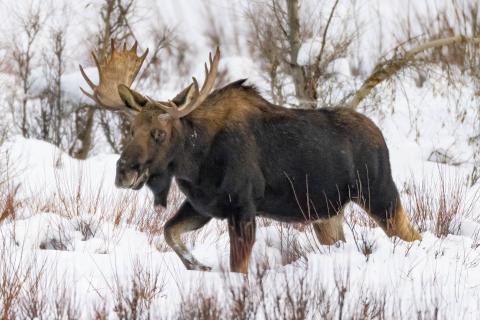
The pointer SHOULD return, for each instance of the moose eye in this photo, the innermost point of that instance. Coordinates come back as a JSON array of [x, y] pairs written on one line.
[[157, 135]]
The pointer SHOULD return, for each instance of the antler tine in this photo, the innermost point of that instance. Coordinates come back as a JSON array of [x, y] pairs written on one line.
[[171, 108], [195, 85], [88, 94], [144, 55], [207, 86], [194, 96], [97, 64], [134, 47], [119, 68], [206, 74], [87, 79], [94, 98]]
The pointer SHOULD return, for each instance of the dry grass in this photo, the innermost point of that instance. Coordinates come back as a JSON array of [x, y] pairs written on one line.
[[199, 306], [266, 293], [290, 248], [436, 206], [8, 204], [133, 299], [297, 296], [125, 297], [28, 291], [8, 190]]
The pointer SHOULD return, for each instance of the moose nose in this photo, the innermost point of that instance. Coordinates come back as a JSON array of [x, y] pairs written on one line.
[[120, 174], [121, 164]]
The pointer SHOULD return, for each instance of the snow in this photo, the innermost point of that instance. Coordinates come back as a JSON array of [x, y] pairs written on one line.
[[71, 82], [84, 232], [412, 277]]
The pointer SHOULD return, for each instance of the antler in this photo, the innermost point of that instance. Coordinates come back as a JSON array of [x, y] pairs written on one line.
[[194, 97], [120, 68]]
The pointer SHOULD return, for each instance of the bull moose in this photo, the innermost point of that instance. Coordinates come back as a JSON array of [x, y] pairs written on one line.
[[237, 156]]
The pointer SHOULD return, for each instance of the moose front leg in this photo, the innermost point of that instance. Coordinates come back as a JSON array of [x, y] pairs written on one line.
[[242, 236], [186, 219]]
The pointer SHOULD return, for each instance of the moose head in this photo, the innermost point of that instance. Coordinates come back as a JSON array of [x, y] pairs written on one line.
[[156, 128]]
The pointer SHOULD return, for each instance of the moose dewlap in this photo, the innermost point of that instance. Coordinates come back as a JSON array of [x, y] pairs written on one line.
[[237, 156]]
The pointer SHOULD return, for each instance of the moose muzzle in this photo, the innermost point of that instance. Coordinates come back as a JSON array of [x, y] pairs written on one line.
[[130, 176]]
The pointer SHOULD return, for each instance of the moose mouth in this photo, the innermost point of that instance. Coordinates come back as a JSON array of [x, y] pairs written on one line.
[[132, 180], [139, 180]]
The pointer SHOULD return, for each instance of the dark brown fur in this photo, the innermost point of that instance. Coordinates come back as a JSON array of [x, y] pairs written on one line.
[[238, 156]]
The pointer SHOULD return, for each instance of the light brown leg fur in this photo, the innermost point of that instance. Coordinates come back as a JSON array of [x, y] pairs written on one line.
[[185, 220], [242, 238], [399, 225], [330, 231]]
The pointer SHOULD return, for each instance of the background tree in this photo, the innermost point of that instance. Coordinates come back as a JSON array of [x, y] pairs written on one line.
[[22, 56], [278, 34]]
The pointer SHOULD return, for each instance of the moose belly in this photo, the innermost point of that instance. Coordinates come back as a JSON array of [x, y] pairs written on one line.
[[279, 202], [210, 204], [291, 211], [295, 200]]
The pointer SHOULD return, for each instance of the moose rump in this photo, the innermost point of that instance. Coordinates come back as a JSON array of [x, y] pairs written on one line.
[[315, 162]]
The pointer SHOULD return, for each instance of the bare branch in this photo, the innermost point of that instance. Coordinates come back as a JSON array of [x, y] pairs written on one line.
[[387, 69], [324, 36]]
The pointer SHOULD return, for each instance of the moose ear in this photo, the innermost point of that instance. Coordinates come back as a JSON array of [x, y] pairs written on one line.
[[132, 99], [186, 95]]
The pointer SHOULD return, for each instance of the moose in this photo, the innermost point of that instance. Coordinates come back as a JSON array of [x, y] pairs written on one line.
[[237, 156]]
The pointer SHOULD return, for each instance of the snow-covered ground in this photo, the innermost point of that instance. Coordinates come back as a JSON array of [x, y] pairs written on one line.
[[73, 227], [82, 248]]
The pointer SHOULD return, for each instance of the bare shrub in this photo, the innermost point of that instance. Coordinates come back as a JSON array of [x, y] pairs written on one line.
[[200, 304], [100, 311], [50, 122], [296, 300], [361, 226], [8, 203], [65, 304], [33, 300], [77, 196], [22, 53], [8, 189], [134, 299], [243, 303], [58, 239], [290, 248], [278, 32], [151, 221], [282, 294], [372, 305], [446, 20], [436, 206], [167, 46], [15, 270]]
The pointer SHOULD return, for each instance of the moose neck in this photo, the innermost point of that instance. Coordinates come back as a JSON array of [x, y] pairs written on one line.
[[193, 146]]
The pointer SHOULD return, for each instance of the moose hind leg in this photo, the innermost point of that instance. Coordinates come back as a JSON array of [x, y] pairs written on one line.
[[399, 225], [242, 238], [387, 211], [330, 231], [185, 220]]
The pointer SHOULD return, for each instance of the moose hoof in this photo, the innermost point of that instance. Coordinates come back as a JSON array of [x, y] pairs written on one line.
[[198, 267]]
